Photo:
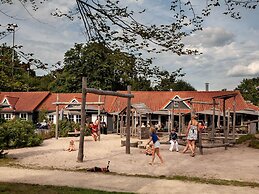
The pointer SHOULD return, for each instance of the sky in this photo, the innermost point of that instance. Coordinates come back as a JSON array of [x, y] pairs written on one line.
[[230, 47]]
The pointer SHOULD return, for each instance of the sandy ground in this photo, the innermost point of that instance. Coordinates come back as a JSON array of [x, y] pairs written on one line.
[[236, 163]]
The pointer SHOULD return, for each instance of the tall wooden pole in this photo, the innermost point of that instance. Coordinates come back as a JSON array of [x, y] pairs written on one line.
[[128, 123], [234, 119], [80, 155], [213, 121], [224, 122], [57, 118], [99, 119]]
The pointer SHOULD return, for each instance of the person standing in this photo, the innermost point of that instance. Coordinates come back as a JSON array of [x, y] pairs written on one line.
[[156, 145], [192, 134], [173, 140]]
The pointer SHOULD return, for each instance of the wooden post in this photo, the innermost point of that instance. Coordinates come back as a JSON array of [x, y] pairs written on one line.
[[121, 125], [200, 141], [117, 123], [57, 118], [99, 119], [224, 123], [172, 117], [228, 123], [80, 155], [218, 122], [132, 123], [213, 121], [128, 123], [234, 119], [179, 124]]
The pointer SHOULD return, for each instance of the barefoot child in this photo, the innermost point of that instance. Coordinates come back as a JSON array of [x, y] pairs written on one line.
[[156, 144], [71, 146]]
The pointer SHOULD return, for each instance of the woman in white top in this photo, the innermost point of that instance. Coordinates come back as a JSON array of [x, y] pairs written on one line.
[[192, 134]]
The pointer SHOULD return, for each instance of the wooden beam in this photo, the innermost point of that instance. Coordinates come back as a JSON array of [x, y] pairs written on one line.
[[227, 96], [110, 93], [208, 103], [182, 99]]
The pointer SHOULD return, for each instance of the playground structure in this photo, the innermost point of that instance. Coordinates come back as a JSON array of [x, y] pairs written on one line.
[[211, 139], [134, 113], [86, 90]]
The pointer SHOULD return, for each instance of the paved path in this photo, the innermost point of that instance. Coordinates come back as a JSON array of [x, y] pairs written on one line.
[[115, 182]]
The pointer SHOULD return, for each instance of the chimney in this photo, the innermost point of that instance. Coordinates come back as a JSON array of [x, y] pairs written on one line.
[[206, 86]]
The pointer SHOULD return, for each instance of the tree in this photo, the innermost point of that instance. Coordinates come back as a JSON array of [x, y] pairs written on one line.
[[249, 88], [167, 81], [16, 75], [104, 68], [114, 23]]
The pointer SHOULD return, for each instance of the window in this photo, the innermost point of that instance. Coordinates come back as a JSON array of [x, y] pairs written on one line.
[[7, 116], [24, 116], [78, 118], [176, 104], [71, 117], [51, 118]]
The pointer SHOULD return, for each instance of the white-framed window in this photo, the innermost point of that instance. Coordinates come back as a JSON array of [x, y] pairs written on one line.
[[71, 117], [78, 118], [51, 118], [8, 116], [24, 116]]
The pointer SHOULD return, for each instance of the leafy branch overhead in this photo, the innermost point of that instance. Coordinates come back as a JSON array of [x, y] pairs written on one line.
[[114, 23]]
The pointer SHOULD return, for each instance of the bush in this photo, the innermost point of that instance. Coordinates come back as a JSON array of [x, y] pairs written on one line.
[[17, 134], [254, 143], [245, 138], [65, 126]]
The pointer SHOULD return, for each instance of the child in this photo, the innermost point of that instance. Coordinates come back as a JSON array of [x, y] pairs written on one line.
[[155, 139], [149, 150], [71, 146], [173, 140]]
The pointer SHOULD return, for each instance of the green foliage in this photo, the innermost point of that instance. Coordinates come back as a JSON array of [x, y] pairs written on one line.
[[170, 82], [245, 138], [13, 188], [16, 75], [251, 139], [65, 126], [42, 115], [46, 134], [17, 134], [249, 90], [104, 68], [254, 143]]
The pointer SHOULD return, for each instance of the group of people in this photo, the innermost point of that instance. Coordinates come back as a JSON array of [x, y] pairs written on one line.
[[191, 136]]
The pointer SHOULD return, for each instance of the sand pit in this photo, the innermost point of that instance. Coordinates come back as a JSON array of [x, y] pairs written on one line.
[[236, 163]]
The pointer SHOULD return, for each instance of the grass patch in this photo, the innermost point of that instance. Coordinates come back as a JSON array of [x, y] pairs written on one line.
[[15, 188], [200, 180]]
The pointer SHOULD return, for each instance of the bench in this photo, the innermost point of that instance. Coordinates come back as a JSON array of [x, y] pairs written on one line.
[[73, 133]]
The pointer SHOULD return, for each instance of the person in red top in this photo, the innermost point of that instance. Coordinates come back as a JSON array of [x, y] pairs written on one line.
[[94, 129]]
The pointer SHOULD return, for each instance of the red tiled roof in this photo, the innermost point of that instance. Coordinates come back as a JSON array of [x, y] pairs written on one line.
[[68, 97], [157, 100], [23, 101]]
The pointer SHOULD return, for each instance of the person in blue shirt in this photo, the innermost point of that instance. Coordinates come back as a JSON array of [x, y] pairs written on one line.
[[156, 144]]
